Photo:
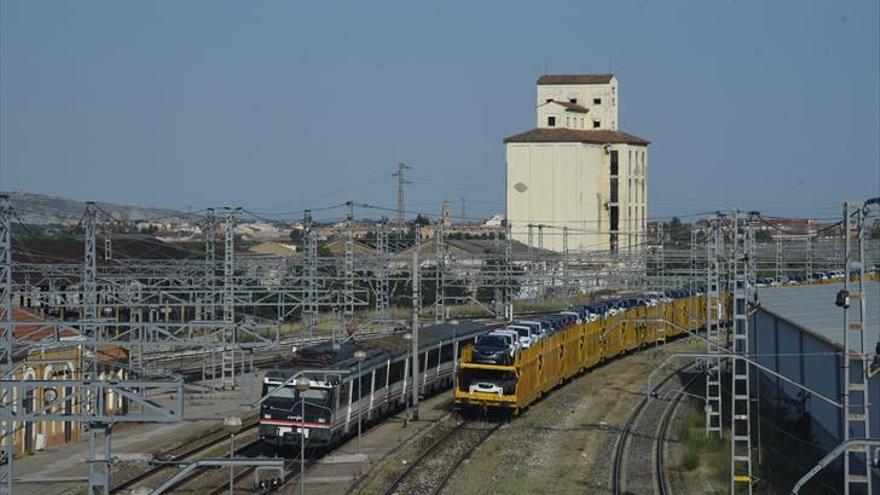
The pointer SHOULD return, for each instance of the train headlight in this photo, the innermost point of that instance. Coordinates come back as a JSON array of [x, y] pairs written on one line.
[[322, 420]]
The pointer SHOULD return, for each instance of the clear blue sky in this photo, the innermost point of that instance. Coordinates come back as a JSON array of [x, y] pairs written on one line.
[[279, 106]]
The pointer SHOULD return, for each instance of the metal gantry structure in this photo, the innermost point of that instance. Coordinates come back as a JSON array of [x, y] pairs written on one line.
[[167, 307], [82, 399]]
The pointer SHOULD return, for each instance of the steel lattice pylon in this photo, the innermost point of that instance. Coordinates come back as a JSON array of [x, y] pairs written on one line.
[[6, 363], [348, 292], [713, 327], [310, 278], [383, 298], [440, 289], [740, 407], [857, 459], [209, 232]]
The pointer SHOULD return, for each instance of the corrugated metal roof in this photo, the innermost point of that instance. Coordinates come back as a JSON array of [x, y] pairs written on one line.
[[812, 308]]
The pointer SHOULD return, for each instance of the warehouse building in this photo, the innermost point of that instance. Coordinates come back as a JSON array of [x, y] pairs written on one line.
[[798, 332], [579, 181]]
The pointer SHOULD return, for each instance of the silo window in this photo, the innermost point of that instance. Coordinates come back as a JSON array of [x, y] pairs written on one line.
[[596, 124], [597, 101], [551, 121]]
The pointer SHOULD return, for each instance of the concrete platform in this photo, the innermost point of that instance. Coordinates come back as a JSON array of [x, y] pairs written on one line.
[[58, 470]]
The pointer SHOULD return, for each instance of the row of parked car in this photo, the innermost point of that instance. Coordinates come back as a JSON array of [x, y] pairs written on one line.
[[500, 346], [833, 275]]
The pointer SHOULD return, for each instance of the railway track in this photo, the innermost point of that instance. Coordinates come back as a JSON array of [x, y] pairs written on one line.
[[184, 452], [660, 446], [432, 469], [643, 437]]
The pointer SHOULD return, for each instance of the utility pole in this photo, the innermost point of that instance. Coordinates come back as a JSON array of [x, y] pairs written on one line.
[[508, 271], [496, 282], [416, 305], [531, 239], [565, 286], [778, 260], [401, 181], [809, 240]]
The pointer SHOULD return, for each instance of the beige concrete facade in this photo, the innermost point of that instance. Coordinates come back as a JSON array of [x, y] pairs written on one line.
[[599, 99], [569, 185], [564, 175]]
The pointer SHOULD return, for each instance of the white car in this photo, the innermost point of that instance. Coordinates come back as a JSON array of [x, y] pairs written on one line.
[[486, 388], [539, 330], [526, 338]]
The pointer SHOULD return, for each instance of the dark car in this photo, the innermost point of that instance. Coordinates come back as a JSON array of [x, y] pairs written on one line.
[[492, 349]]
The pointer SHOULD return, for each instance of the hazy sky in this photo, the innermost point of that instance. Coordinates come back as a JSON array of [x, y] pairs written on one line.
[[279, 106]]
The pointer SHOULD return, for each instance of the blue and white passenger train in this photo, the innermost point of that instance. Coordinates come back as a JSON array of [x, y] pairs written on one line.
[[333, 403]]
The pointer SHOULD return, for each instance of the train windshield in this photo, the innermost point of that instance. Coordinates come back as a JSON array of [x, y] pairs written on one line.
[[315, 396], [279, 393], [289, 395]]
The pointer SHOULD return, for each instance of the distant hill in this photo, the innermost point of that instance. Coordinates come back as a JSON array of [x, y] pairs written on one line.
[[44, 209]]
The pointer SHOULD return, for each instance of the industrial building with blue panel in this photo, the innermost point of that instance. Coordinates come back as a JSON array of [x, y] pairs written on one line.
[[798, 333]]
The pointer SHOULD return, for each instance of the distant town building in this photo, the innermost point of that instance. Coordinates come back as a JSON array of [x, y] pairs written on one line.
[[576, 170]]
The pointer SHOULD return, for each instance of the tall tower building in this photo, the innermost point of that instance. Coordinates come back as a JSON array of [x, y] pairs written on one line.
[[577, 170]]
